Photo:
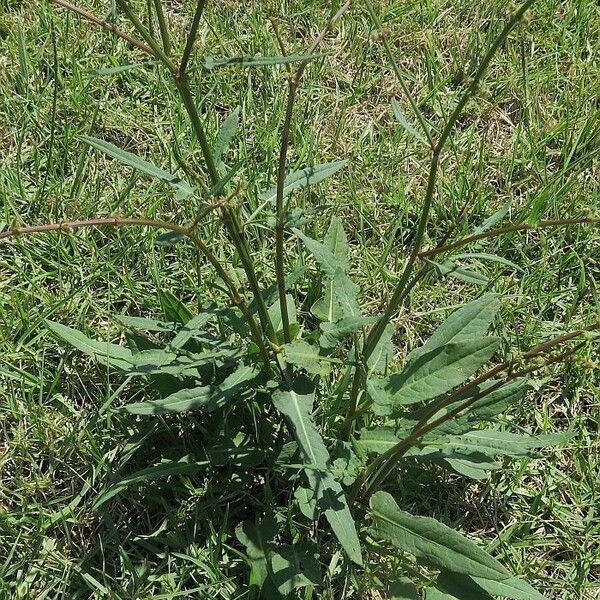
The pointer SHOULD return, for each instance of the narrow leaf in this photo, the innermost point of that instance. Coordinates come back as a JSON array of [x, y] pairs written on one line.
[[438, 371], [470, 321], [474, 587], [401, 118], [226, 134], [296, 406], [337, 243], [104, 352], [160, 471], [495, 442], [300, 179], [305, 356], [208, 397], [121, 68], [494, 219], [132, 160], [448, 267], [431, 540]]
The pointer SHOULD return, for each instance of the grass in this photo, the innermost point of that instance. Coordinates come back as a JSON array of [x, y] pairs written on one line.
[[532, 140]]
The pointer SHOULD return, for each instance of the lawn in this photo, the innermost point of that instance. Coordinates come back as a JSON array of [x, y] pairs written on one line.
[[525, 149]]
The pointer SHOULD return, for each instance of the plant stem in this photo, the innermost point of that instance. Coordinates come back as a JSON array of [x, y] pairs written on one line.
[[508, 229], [381, 466], [164, 28], [400, 290], [88, 16], [293, 85], [235, 297], [393, 305], [399, 75], [191, 38], [146, 35]]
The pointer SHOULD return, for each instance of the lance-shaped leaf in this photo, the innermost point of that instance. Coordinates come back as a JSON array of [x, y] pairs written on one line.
[[474, 465], [335, 333], [401, 118], [449, 267], [208, 397], [492, 442], [429, 539], [105, 353], [132, 160], [464, 587], [377, 440], [144, 324], [439, 370], [300, 179], [162, 470], [210, 62], [226, 133], [337, 243], [485, 408], [296, 405], [305, 356], [470, 321]]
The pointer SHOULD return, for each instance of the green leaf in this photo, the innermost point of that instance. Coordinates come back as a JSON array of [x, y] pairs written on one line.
[[276, 320], [294, 566], [468, 588], [470, 321], [377, 440], [346, 465], [210, 62], [383, 353], [257, 538], [121, 68], [132, 160], [218, 188], [159, 361], [483, 409], [191, 328], [448, 267], [207, 397], [226, 134], [490, 257], [340, 293], [494, 219], [296, 406], [307, 502], [474, 465], [403, 589], [401, 118], [164, 469], [337, 243], [145, 324], [492, 442], [300, 179], [335, 333], [169, 238], [509, 588], [305, 356], [173, 308], [429, 539], [438, 371], [105, 353]]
